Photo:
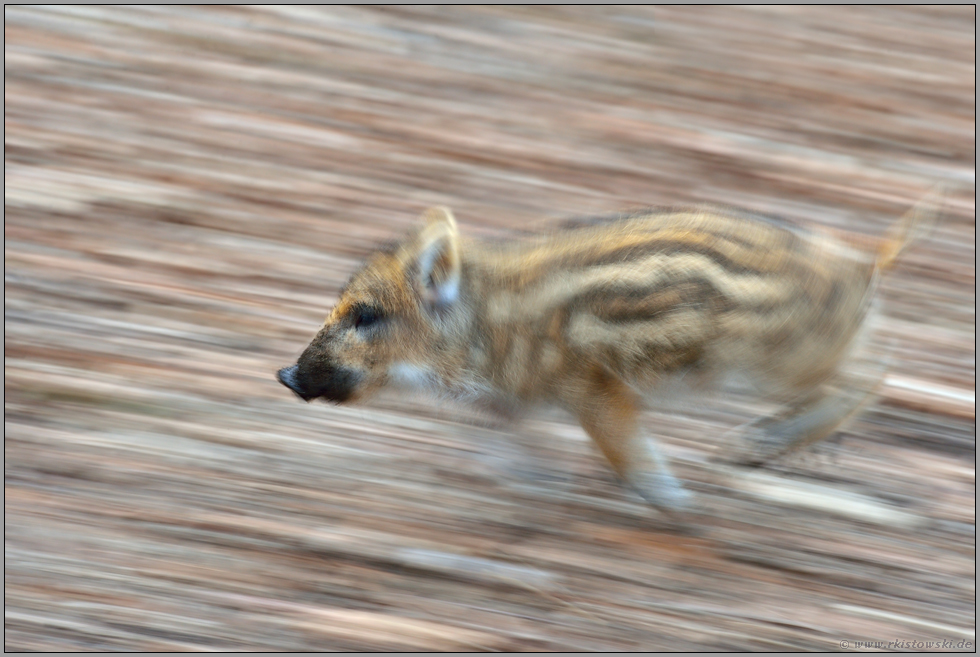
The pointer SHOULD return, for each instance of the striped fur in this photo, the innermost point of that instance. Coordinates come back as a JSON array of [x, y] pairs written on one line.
[[596, 317]]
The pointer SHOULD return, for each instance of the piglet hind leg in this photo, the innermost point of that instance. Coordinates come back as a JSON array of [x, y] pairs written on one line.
[[814, 416]]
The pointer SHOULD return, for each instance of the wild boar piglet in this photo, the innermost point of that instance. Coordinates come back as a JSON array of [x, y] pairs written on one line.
[[597, 317]]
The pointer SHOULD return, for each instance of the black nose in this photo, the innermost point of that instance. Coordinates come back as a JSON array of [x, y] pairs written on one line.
[[287, 377]]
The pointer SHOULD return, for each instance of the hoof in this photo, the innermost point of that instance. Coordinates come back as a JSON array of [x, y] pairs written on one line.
[[663, 491]]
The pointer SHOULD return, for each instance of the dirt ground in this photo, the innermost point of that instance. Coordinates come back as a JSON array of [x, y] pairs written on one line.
[[186, 190]]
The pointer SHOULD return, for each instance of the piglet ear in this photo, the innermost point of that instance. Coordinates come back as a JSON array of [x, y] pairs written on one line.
[[437, 267]]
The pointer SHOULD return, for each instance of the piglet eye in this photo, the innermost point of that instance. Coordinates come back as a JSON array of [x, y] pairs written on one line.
[[366, 317]]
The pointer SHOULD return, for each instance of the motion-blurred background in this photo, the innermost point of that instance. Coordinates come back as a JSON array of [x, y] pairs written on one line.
[[186, 190]]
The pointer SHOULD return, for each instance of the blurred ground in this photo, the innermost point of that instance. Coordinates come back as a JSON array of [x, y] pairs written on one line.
[[187, 188]]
